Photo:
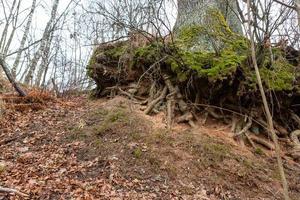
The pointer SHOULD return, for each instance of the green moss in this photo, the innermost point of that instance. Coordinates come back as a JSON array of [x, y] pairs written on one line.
[[92, 62], [111, 52], [209, 65], [137, 153], [116, 52], [189, 36], [118, 115], [259, 151], [277, 76], [147, 55], [230, 50]]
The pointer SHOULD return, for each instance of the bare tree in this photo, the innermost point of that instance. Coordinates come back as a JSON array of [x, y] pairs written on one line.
[[5, 43], [23, 40], [44, 43]]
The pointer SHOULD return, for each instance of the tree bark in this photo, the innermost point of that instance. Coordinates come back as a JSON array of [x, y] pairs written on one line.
[[44, 63], [5, 30], [198, 12], [46, 35], [195, 12], [4, 66], [23, 40]]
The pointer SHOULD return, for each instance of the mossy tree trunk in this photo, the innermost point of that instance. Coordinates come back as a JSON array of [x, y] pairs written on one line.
[[196, 12]]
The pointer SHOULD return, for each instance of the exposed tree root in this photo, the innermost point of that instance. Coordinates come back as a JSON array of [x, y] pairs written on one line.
[[155, 101], [294, 137], [182, 105], [170, 110], [234, 123], [296, 118], [295, 153], [250, 140], [262, 142], [212, 112], [239, 138], [246, 128]]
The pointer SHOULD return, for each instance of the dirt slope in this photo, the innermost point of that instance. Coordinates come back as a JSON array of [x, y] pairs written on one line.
[[108, 149]]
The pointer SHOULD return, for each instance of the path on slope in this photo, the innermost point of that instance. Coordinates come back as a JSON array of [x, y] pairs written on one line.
[[108, 149]]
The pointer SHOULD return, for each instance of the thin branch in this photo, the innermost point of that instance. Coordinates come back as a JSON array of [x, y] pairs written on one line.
[[14, 191], [286, 5]]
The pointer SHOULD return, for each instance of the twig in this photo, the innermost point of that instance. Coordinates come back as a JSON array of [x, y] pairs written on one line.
[[286, 5], [8, 140], [14, 191], [152, 66]]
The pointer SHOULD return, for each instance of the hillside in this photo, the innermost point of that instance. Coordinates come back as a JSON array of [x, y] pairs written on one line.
[[109, 149]]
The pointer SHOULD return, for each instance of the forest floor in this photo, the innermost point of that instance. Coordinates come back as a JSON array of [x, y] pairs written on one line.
[[109, 149]]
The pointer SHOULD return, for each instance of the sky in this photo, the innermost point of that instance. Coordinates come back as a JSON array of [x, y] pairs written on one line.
[[42, 15]]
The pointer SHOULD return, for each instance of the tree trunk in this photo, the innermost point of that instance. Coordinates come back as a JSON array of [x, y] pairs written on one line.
[[196, 12], [23, 41], [4, 66], [5, 30], [37, 56], [44, 63]]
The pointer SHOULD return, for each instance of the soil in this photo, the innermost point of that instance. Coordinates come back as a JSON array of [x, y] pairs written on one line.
[[109, 149]]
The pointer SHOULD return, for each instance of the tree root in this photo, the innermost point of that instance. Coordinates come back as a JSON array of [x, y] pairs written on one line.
[[246, 128], [234, 123], [294, 137], [212, 112], [182, 105], [157, 100], [296, 118], [185, 118], [170, 110], [262, 142], [241, 133], [295, 153], [250, 140]]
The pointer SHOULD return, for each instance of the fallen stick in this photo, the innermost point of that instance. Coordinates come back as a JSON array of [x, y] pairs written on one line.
[[14, 191]]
